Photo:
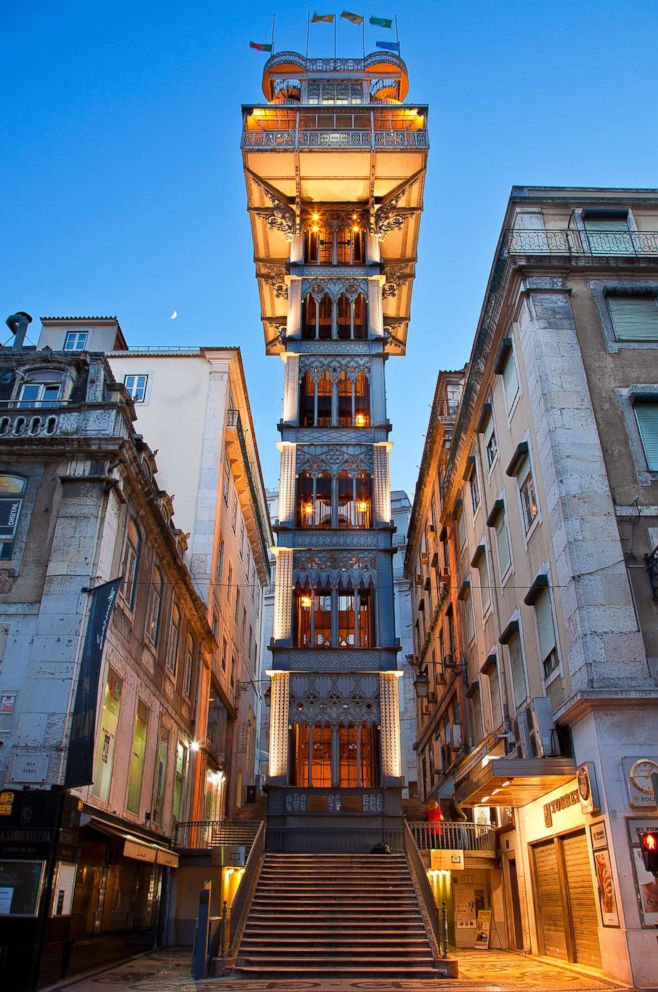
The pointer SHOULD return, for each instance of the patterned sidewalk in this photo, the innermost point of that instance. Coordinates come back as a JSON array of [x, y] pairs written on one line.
[[480, 971]]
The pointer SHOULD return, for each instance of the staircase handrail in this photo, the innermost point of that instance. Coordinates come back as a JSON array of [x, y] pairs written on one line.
[[245, 894], [428, 908]]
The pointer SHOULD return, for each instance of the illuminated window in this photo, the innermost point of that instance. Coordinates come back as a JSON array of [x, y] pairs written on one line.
[[137, 755], [354, 500], [314, 500], [180, 772], [324, 400], [107, 735], [160, 775]]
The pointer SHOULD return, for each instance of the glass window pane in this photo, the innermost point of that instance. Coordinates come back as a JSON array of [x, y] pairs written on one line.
[[138, 751], [647, 421]]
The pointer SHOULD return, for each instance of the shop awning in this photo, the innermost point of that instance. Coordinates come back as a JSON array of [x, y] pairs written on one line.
[[514, 781], [136, 846]]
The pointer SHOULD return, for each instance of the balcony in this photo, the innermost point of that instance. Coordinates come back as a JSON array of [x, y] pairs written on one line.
[[360, 127], [456, 836], [575, 242]]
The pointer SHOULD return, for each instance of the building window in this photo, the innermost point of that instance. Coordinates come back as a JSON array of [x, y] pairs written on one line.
[[634, 318], [546, 633], [229, 585], [136, 386], [497, 519], [160, 776], [608, 232], [179, 779], [224, 653], [355, 617], [174, 640], [241, 537], [476, 714], [219, 564], [461, 525], [475, 491], [237, 606], [510, 379], [106, 740], [526, 483], [469, 620], [188, 674], [646, 414], [226, 480], [76, 340], [312, 616], [41, 388], [485, 583], [234, 512], [517, 669], [137, 754], [154, 605], [490, 442], [12, 493], [494, 696], [130, 563], [354, 500]]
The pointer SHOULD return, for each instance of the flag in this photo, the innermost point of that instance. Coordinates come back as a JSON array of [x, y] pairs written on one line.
[[259, 47], [325, 18], [353, 18], [389, 46], [381, 22]]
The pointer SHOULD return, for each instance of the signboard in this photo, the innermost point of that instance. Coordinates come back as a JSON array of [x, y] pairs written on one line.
[[637, 774], [6, 803], [7, 703], [32, 767], [167, 858], [483, 929], [20, 887], [447, 860], [588, 789], [140, 852]]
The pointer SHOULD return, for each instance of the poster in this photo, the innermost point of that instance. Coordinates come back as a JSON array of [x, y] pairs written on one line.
[[483, 929], [606, 888]]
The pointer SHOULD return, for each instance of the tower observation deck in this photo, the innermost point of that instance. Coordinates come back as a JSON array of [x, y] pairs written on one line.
[[334, 165]]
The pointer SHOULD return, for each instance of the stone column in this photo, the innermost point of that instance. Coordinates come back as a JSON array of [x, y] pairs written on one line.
[[390, 724], [375, 311], [282, 627], [287, 482], [294, 323], [382, 488], [290, 387], [278, 766]]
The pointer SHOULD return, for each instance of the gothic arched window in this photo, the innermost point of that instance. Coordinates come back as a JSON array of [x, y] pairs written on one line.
[[324, 404], [360, 331], [361, 400], [307, 400], [314, 500]]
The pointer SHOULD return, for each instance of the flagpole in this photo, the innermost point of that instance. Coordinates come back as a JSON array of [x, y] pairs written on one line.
[[308, 30], [273, 24], [397, 36], [363, 35], [335, 24]]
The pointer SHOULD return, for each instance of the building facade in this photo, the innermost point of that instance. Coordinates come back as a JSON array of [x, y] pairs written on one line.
[[334, 198], [547, 502], [401, 510], [85, 868], [192, 406]]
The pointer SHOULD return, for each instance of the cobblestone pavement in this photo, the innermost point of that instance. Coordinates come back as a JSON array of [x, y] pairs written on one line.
[[480, 971]]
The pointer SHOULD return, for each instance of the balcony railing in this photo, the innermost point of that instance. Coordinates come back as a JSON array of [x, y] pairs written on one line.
[[200, 834], [377, 128], [454, 835], [572, 241]]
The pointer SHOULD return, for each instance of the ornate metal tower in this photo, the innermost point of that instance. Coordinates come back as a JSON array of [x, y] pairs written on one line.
[[334, 165]]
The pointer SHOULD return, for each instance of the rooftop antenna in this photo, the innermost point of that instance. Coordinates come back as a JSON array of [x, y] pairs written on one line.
[[273, 24]]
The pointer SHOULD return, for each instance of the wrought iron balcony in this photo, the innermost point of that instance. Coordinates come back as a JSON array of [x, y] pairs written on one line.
[[572, 241], [380, 128]]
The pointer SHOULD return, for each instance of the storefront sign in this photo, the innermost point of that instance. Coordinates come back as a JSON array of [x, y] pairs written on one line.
[[6, 803], [31, 767], [140, 852], [447, 860], [7, 703], [166, 858], [483, 929], [637, 774], [556, 805], [588, 789]]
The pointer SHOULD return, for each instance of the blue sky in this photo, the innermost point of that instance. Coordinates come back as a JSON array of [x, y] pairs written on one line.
[[122, 179]]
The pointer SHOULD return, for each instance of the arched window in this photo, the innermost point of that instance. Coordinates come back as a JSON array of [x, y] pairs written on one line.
[[319, 244], [307, 400], [314, 500], [345, 407], [359, 320], [325, 318], [354, 500], [154, 605], [309, 318], [356, 618], [130, 563], [41, 388], [361, 400], [188, 674], [344, 318], [12, 493], [312, 617], [174, 640], [325, 390], [346, 619], [365, 618], [310, 754]]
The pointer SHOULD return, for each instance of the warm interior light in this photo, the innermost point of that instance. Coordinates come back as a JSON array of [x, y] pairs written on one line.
[[315, 229], [315, 217], [306, 602], [484, 799], [360, 420], [308, 509], [356, 228], [362, 506], [508, 781], [195, 745]]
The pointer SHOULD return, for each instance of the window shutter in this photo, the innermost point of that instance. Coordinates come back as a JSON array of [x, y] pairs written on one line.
[[510, 379], [609, 235], [504, 558], [545, 626], [494, 694], [647, 421], [485, 591], [634, 318], [606, 224], [518, 675], [488, 431]]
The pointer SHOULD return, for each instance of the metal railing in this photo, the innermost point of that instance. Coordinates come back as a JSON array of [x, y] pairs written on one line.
[[233, 919], [200, 834], [234, 420], [574, 241], [332, 840], [453, 835], [428, 906]]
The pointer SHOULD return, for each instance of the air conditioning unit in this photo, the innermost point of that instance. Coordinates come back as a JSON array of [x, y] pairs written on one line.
[[541, 732]]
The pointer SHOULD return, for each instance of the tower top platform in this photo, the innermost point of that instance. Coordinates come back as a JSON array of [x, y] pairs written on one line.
[[384, 73]]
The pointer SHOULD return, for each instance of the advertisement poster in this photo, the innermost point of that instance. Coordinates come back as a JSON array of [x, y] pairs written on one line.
[[606, 888], [483, 929]]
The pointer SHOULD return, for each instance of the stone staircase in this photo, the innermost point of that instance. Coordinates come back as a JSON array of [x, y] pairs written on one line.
[[335, 915]]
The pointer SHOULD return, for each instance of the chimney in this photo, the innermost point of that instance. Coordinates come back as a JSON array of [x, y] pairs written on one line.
[[17, 324]]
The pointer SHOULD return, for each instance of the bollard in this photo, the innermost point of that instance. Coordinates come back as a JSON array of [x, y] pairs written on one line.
[[444, 928], [200, 949]]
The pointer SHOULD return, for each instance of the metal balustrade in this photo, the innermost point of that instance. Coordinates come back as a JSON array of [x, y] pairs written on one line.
[[360, 126], [575, 241], [332, 840], [200, 834], [454, 835]]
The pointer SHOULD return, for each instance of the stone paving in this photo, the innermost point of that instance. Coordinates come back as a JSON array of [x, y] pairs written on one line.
[[480, 971]]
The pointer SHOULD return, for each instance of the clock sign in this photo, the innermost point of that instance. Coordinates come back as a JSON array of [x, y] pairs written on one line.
[[638, 772]]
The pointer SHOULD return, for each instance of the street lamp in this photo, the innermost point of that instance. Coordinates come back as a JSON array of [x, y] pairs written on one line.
[[422, 684]]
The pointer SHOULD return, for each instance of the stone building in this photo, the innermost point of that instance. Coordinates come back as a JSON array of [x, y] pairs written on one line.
[[548, 504], [335, 201], [192, 406], [401, 510], [84, 870]]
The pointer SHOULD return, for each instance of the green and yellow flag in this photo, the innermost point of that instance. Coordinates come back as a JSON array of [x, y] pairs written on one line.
[[324, 18], [352, 18], [382, 22]]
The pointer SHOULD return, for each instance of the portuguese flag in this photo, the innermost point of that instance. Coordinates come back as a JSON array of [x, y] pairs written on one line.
[[259, 47]]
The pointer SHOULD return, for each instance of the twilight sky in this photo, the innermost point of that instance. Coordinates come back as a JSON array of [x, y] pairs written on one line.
[[122, 178]]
